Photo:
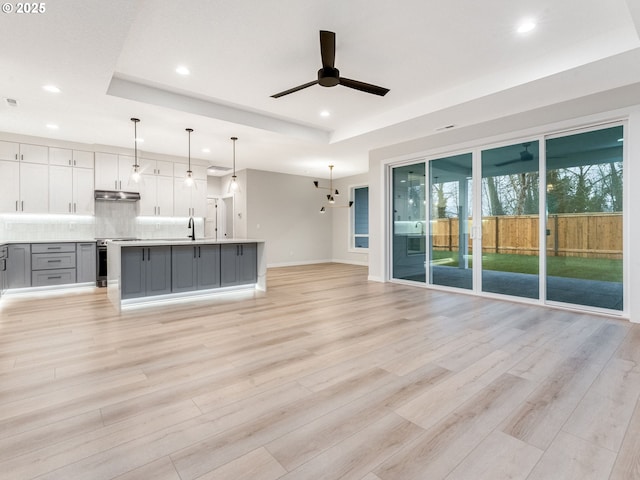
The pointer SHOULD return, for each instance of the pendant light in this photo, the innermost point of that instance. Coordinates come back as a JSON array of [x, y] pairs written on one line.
[[188, 179], [233, 186], [135, 170], [332, 193]]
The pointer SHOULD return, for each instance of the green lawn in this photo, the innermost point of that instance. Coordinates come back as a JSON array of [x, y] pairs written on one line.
[[570, 267]]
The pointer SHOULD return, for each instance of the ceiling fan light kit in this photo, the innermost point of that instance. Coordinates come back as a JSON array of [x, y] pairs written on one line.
[[329, 75]]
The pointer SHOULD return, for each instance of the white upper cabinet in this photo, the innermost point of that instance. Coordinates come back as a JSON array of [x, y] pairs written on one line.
[[34, 188], [9, 151], [24, 152], [189, 201], [70, 158], [155, 167], [156, 195], [9, 186], [71, 190], [113, 172], [34, 153]]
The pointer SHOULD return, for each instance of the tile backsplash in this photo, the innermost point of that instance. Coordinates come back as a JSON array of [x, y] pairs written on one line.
[[111, 220]]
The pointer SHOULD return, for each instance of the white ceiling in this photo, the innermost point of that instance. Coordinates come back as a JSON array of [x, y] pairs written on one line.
[[453, 62]]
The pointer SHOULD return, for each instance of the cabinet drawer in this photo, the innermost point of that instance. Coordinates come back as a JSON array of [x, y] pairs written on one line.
[[52, 247], [44, 278], [47, 261]]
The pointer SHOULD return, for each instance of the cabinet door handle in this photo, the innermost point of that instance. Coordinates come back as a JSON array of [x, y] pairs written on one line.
[[149, 254], [199, 252], [69, 207], [158, 210], [242, 250], [22, 203], [54, 261], [115, 184], [16, 203], [74, 163], [16, 156], [194, 252], [54, 248], [53, 278], [74, 207], [143, 254]]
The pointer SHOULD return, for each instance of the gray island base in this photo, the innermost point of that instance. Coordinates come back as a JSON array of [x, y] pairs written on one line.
[[153, 271]]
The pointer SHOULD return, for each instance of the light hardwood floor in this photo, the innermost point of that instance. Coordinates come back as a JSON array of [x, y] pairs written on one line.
[[326, 376]]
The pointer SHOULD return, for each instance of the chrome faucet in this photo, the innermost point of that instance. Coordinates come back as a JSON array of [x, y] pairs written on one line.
[[421, 227], [192, 226]]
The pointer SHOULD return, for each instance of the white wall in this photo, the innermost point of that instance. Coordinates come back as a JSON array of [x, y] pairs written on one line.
[[341, 222], [283, 210], [435, 145]]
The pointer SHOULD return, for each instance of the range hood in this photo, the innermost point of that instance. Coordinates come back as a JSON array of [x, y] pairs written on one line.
[[116, 195]]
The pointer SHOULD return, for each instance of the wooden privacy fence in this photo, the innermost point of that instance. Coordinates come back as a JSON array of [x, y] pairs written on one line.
[[594, 235]]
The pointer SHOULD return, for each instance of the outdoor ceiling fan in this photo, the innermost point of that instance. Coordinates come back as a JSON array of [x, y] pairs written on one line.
[[525, 156], [329, 76]]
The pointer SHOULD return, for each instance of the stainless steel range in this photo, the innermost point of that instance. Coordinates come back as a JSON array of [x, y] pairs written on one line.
[[101, 259]]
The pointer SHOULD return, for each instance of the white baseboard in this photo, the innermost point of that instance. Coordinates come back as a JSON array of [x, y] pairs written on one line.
[[313, 262], [297, 264], [351, 262], [374, 278]]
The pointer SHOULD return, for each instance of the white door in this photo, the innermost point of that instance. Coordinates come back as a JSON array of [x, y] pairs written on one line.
[[164, 195], [34, 188], [211, 219], [106, 173], [83, 197], [147, 188], [9, 186], [60, 189], [226, 217]]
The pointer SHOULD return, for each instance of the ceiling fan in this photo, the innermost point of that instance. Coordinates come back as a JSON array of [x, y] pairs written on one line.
[[328, 75], [525, 156]]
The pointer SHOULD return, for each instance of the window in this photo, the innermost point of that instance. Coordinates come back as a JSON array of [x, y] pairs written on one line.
[[360, 218]]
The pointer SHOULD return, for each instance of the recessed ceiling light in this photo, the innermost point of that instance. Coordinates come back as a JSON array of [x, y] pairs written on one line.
[[526, 26], [206, 150], [52, 126], [182, 70], [325, 113], [51, 88]]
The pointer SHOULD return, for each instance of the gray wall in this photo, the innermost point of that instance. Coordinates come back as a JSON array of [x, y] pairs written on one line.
[[283, 210]]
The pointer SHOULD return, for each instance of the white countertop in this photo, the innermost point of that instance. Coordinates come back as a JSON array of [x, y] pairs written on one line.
[[74, 240], [180, 241]]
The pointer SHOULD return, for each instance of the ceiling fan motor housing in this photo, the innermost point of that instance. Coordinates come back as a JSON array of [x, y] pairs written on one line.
[[328, 77]]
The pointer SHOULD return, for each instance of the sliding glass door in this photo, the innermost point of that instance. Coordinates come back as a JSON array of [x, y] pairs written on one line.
[[584, 218], [409, 223], [449, 221], [510, 227], [558, 242]]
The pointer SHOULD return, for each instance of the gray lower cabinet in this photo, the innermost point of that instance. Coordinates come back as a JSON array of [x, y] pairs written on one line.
[[53, 264], [238, 264], [195, 267], [4, 252], [19, 265], [145, 271], [86, 262]]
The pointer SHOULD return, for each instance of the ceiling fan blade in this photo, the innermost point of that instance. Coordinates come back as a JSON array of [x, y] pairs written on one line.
[[515, 160], [294, 89], [364, 87], [328, 48]]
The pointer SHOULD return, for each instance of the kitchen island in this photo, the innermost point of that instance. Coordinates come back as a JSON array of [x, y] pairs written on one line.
[[149, 271]]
